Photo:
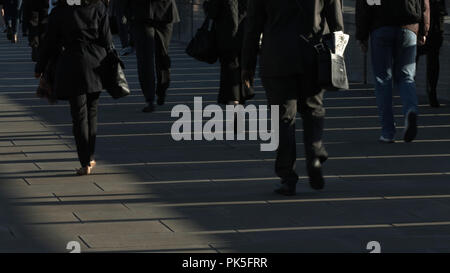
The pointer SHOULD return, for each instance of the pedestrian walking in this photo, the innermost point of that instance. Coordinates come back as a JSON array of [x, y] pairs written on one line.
[[26, 16], [229, 18], [12, 17], [432, 47], [289, 76], [116, 11], [152, 28], [82, 36], [394, 28], [2, 15], [38, 19]]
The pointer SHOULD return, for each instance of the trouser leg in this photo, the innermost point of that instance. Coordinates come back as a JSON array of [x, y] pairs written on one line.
[[283, 92], [163, 36], [405, 69], [92, 109], [80, 121], [144, 36]]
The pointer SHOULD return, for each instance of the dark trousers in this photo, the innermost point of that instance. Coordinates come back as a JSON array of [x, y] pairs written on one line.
[[432, 50], [84, 118], [126, 39], [12, 14], [297, 94], [152, 53]]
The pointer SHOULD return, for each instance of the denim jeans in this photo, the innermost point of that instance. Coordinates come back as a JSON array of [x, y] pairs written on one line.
[[394, 52]]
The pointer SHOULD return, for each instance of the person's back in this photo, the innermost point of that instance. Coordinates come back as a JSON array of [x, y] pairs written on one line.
[[284, 22], [83, 33]]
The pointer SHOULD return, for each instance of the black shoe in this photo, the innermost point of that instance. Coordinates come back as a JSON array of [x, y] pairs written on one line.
[[9, 34], [149, 108], [161, 100], [287, 189], [432, 98], [316, 180], [410, 132]]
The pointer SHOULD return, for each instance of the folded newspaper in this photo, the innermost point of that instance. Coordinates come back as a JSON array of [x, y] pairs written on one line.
[[339, 42]]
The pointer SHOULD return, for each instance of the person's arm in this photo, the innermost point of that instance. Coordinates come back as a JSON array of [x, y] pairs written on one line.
[[425, 25], [256, 19], [334, 15], [125, 7], [105, 36], [363, 19]]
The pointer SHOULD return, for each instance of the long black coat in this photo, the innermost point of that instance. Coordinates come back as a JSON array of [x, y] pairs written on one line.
[[229, 18], [84, 34]]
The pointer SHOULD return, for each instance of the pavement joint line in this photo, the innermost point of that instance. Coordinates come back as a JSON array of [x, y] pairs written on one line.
[[277, 178], [271, 160], [83, 241], [78, 218], [98, 186], [166, 226], [172, 121], [59, 199], [65, 105], [26, 181], [297, 201]]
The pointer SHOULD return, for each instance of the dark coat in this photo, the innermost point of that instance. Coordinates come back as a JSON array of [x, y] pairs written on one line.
[[369, 18], [151, 11], [281, 22], [83, 33], [229, 18]]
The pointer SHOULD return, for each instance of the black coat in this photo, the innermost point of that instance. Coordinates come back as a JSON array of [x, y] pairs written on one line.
[[84, 34], [281, 22], [229, 18], [151, 11]]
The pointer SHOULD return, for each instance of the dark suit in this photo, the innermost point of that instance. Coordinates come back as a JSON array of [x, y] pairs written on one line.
[[152, 26], [288, 75]]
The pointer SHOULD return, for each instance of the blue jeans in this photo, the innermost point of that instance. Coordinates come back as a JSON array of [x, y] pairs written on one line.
[[394, 52]]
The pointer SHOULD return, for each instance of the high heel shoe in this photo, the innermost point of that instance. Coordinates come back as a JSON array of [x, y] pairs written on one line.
[[84, 171], [14, 39], [93, 163]]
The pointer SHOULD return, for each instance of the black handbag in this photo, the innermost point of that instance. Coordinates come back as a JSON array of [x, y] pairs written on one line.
[[331, 71], [113, 77], [46, 88], [203, 47]]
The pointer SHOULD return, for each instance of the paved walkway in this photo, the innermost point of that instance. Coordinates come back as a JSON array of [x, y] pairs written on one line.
[[153, 194]]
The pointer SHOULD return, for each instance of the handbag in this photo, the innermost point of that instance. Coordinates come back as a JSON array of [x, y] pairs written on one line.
[[46, 88], [112, 75], [203, 47], [330, 67]]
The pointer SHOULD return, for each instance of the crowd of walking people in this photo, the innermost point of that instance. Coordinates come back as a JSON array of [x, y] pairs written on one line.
[[271, 33]]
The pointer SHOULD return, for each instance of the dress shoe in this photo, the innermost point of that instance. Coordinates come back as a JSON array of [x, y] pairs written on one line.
[[161, 100], [316, 180], [150, 108], [14, 39], [287, 189], [410, 132], [432, 98]]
